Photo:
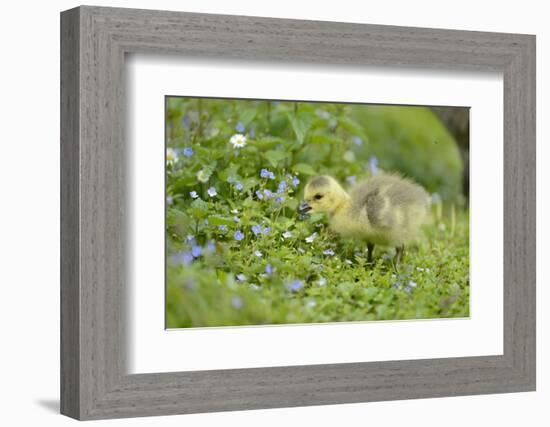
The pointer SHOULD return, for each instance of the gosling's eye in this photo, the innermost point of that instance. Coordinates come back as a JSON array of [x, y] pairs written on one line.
[[318, 196]]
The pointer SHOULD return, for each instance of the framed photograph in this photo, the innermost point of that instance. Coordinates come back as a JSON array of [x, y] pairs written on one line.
[[262, 213]]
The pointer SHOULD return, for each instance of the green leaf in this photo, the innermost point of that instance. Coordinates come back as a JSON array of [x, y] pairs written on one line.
[[198, 208], [316, 217], [219, 220], [247, 116], [303, 168], [232, 170], [300, 123], [319, 138], [275, 156]]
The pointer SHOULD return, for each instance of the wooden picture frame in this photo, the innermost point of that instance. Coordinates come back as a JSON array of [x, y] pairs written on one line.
[[94, 382]]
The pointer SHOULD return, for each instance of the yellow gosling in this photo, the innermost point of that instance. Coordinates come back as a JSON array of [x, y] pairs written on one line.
[[385, 210]]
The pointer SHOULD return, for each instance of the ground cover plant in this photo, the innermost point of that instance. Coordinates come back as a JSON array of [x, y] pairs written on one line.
[[237, 251]]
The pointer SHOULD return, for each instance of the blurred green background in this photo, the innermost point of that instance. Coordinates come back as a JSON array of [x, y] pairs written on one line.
[[237, 253]]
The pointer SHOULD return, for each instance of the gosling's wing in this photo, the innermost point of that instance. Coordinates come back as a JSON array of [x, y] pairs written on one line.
[[368, 200]]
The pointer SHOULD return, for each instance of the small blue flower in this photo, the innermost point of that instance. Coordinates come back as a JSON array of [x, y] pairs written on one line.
[[222, 227], [186, 121], [259, 195], [193, 194], [241, 277], [196, 251], [239, 235], [311, 238], [322, 281], [238, 186], [190, 238], [240, 127], [351, 179], [267, 230], [287, 235], [329, 252], [295, 182], [295, 286], [264, 173], [413, 284], [212, 192], [187, 151], [268, 193], [258, 254], [211, 246], [280, 199], [269, 269], [282, 187], [373, 165], [237, 302], [184, 258], [256, 229], [236, 219], [357, 140], [252, 132], [206, 222]]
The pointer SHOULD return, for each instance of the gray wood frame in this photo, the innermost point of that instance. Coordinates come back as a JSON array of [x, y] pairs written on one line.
[[94, 382]]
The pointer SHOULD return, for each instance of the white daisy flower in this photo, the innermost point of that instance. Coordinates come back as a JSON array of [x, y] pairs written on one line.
[[238, 140], [171, 156], [203, 176]]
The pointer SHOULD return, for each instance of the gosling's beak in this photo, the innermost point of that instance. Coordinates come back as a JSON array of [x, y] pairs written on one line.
[[303, 208]]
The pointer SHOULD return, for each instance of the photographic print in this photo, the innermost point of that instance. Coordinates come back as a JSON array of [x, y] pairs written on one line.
[[291, 212]]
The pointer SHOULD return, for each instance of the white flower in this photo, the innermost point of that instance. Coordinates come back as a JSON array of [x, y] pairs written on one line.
[[234, 211], [348, 262], [203, 176], [311, 304], [287, 235], [212, 192], [193, 194], [171, 156], [258, 253], [311, 238], [238, 140], [322, 281]]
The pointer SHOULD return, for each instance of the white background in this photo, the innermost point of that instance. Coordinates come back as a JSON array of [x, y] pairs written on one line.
[[29, 233], [152, 349]]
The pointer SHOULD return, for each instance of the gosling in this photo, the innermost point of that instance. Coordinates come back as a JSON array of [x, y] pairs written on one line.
[[385, 210]]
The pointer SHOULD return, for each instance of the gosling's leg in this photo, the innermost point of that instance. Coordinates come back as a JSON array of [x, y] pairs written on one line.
[[399, 254], [370, 252]]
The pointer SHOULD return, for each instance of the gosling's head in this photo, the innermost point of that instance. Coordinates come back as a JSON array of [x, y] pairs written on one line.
[[323, 194]]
